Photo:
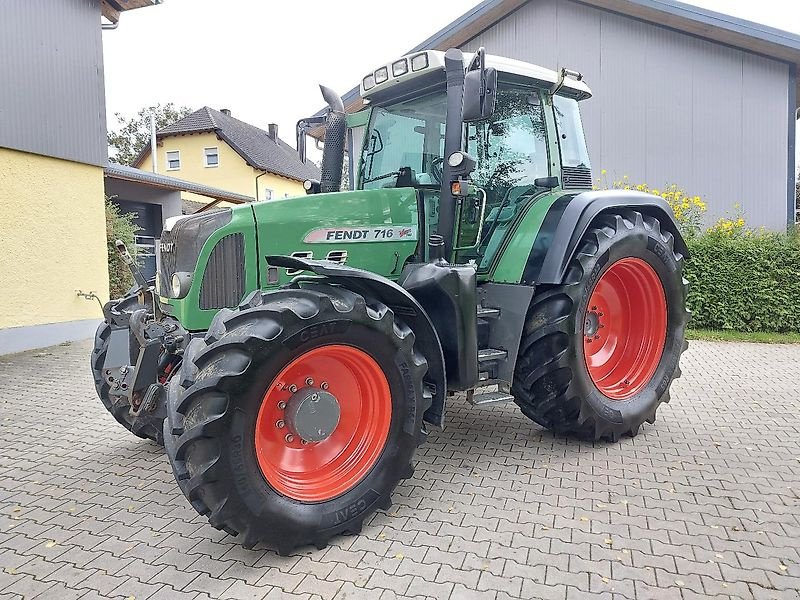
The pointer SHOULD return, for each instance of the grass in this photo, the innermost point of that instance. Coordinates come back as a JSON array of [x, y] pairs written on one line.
[[742, 336]]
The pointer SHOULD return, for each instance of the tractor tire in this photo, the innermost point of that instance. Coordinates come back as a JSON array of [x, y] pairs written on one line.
[[146, 426], [238, 434], [598, 353]]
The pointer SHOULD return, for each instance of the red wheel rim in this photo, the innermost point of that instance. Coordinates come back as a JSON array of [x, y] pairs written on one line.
[[625, 328], [318, 471]]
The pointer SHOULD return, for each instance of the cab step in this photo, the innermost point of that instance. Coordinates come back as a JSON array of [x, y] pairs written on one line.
[[490, 354], [488, 313], [479, 399]]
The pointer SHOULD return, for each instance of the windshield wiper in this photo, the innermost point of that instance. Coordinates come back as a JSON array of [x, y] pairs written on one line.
[[384, 176]]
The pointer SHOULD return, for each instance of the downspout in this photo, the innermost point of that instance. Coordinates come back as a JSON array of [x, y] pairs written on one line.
[[257, 178]]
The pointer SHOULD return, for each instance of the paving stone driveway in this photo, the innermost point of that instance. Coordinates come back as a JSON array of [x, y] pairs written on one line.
[[704, 503]]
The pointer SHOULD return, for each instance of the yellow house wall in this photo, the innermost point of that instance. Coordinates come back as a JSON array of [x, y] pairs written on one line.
[[233, 174], [52, 239]]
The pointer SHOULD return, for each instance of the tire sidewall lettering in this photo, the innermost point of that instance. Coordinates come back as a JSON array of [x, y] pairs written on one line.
[[316, 331], [410, 425], [350, 511]]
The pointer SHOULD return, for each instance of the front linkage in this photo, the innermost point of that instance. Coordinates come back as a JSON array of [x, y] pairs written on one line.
[[136, 351]]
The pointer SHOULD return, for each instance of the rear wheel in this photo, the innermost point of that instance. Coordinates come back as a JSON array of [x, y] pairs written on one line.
[[297, 415], [599, 352]]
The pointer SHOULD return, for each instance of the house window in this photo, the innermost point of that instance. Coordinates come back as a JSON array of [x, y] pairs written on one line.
[[211, 157], [173, 160], [268, 194]]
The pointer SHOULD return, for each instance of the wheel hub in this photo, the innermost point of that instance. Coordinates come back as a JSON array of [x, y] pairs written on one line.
[[312, 414], [592, 324]]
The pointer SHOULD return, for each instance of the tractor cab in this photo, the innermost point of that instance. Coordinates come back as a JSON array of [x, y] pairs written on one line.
[[529, 144]]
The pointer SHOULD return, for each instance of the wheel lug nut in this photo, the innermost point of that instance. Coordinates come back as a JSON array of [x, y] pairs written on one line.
[[303, 442], [289, 438], [282, 405], [293, 388], [309, 381], [324, 385], [280, 424]]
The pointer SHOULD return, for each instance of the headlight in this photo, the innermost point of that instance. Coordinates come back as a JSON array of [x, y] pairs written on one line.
[[180, 284], [369, 82], [400, 67], [456, 158], [419, 62], [382, 75]]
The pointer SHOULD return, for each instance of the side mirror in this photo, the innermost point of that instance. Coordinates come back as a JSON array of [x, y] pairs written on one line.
[[480, 90]]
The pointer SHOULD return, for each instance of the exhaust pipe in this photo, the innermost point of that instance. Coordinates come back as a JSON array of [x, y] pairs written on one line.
[[335, 134]]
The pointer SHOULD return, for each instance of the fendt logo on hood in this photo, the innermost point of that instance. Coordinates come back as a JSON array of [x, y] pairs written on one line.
[[370, 233]]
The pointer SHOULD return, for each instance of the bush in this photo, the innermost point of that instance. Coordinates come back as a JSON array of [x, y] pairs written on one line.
[[688, 209], [119, 227], [739, 278], [744, 281]]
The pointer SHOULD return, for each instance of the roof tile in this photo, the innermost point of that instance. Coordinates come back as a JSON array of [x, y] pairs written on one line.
[[252, 143]]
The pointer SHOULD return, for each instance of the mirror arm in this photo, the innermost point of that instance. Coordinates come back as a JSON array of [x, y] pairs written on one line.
[[562, 77]]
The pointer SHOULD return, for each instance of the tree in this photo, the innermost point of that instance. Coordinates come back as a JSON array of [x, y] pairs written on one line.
[[133, 133]]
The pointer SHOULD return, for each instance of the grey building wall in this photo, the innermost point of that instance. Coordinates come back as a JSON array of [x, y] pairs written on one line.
[[169, 200], [667, 107], [51, 79]]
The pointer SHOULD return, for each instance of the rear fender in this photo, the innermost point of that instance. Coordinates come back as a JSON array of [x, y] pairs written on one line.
[[404, 306], [571, 216]]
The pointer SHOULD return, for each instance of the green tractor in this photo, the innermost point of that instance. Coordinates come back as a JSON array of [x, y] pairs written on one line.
[[292, 353]]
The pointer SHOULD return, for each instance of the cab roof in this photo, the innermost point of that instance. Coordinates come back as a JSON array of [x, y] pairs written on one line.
[[434, 61]]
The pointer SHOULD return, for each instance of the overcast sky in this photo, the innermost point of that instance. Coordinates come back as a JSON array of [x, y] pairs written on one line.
[[263, 60]]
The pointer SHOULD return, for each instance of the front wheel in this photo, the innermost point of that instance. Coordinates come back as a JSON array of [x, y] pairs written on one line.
[[599, 352], [296, 416]]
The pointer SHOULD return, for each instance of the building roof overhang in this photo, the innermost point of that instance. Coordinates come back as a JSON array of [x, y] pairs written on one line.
[[111, 9], [132, 174]]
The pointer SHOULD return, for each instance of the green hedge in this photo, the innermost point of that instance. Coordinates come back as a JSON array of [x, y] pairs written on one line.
[[747, 283]]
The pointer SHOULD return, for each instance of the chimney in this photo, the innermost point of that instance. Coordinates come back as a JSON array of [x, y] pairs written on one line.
[[225, 111], [273, 132]]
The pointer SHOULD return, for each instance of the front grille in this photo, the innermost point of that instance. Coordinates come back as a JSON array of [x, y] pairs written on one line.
[[576, 178], [223, 280], [180, 247]]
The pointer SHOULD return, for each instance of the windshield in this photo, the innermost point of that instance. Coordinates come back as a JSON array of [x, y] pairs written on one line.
[[408, 135]]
